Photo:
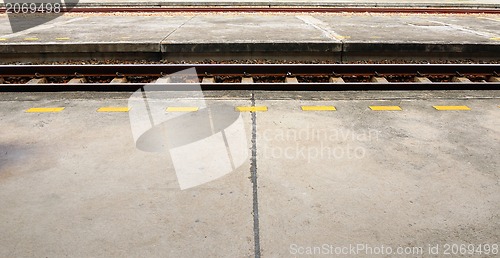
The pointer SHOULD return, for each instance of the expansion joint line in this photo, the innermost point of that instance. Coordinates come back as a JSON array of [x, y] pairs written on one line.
[[253, 171], [172, 32]]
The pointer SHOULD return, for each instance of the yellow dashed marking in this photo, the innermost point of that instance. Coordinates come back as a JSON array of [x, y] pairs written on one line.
[[62, 38], [45, 110], [182, 109], [446, 108], [3, 39], [495, 38], [251, 109], [31, 39], [375, 37], [318, 108], [342, 37], [385, 108], [113, 109]]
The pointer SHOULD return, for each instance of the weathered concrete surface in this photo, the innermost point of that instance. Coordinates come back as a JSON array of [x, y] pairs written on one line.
[[408, 178], [73, 183], [335, 37], [91, 34]]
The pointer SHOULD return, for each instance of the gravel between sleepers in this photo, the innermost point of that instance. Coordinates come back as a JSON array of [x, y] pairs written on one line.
[[253, 61]]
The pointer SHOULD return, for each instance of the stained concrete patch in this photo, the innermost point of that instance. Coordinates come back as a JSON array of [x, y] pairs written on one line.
[[81, 188], [340, 37], [399, 179], [78, 186]]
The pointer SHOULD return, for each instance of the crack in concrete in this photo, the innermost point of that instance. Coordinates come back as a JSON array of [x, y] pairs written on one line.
[[172, 32], [321, 26], [253, 171]]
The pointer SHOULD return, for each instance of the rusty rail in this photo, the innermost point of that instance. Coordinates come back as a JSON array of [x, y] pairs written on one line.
[[422, 74], [254, 69]]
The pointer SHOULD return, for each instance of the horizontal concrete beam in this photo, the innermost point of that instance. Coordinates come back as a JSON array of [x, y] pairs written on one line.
[[421, 47], [337, 51], [94, 47], [251, 47]]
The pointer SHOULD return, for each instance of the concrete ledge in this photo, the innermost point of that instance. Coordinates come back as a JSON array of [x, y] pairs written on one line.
[[334, 51], [423, 47], [419, 51], [94, 47], [251, 55], [61, 57], [222, 51], [251, 47], [308, 47]]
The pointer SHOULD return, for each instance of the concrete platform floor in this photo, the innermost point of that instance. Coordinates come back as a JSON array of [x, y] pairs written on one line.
[[335, 37], [73, 183]]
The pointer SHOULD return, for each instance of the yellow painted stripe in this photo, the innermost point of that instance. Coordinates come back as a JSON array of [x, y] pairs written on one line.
[[251, 109], [385, 108], [3, 39], [495, 38], [113, 109], [31, 39], [45, 110], [62, 38], [445, 108], [182, 109], [318, 108]]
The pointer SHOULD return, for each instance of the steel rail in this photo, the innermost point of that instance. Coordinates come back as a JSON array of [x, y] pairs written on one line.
[[251, 69], [255, 70], [130, 87]]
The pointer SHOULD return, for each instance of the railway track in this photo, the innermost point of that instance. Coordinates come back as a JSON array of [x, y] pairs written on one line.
[[281, 77]]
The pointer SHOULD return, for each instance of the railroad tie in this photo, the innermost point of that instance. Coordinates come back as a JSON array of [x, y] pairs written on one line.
[[460, 79], [378, 79], [37, 81], [420, 79], [77, 80], [291, 80], [163, 79], [208, 79], [246, 79], [494, 79], [119, 80], [336, 80]]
